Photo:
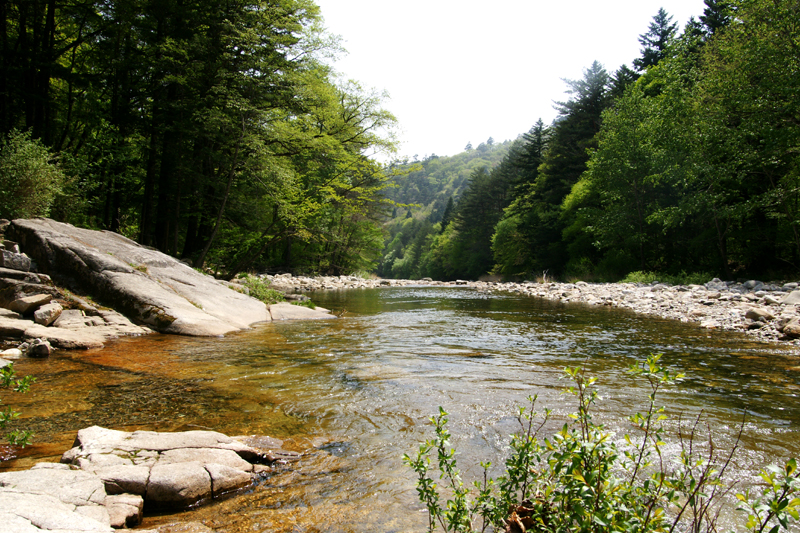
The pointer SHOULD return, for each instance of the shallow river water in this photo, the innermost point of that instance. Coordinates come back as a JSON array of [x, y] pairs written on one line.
[[356, 394]]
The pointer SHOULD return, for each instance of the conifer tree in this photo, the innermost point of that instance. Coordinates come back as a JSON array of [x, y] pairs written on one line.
[[655, 41]]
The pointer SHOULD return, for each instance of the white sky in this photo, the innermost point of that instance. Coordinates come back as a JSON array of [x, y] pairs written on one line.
[[460, 71]]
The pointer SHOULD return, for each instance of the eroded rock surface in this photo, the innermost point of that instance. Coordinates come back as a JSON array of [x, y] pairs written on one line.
[[110, 477], [144, 284]]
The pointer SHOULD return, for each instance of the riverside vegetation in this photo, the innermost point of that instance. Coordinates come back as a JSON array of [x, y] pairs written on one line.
[[581, 480], [224, 137], [9, 380], [686, 162]]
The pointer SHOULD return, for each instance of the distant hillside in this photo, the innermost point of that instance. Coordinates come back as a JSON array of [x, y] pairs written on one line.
[[432, 181]]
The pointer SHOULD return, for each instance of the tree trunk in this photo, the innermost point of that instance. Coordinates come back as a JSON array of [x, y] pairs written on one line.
[[149, 186], [231, 173]]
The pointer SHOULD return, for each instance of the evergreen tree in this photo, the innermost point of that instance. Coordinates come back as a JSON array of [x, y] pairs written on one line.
[[621, 80], [572, 135], [655, 41], [448, 214], [716, 15]]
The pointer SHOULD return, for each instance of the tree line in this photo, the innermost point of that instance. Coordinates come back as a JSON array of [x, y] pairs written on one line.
[[687, 162], [215, 131]]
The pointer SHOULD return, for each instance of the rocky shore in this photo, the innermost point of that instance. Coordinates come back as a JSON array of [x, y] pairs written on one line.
[[767, 311], [127, 290], [110, 477]]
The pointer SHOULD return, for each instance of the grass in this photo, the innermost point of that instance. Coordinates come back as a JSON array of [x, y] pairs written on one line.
[[259, 289], [683, 278]]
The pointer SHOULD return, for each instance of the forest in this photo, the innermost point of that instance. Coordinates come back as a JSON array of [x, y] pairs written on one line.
[[685, 163], [214, 131], [219, 133]]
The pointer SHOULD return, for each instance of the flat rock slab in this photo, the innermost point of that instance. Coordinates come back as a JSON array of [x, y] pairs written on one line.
[[66, 339], [168, 470], [110, 477], [28, 304], [52, 497], [287, 311], [144, 284]]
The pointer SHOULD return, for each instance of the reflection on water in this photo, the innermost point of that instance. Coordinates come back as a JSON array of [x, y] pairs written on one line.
[[356, 393]]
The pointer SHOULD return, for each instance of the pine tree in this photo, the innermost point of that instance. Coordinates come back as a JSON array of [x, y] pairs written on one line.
[[656, 40], [716, 15], [448, 214], [622, 78]]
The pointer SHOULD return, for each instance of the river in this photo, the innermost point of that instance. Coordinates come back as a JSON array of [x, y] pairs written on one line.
[[356, 394]]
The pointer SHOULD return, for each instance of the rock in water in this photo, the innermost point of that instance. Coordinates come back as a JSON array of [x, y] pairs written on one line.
[[144, 284]]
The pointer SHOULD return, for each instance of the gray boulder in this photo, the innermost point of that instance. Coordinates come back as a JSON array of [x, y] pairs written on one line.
[[124, 510], [39, 348], [52, 497], [48, 313], [171, 470], [792, 298], [28, 304], [144, 284], [14, 261]]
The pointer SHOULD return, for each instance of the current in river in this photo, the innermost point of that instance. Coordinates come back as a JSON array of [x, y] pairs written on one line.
[[356, 393]]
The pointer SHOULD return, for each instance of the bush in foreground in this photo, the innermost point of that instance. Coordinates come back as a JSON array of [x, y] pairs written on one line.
[[581, 480], [29, 177], [8, 380]]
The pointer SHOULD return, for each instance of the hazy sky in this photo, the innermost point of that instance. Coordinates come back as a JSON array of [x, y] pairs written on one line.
[[460, 71]]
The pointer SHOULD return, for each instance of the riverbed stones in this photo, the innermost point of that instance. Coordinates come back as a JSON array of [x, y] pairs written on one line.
[[52, 497], [124, 510], [109, 477], [793, 298], [169, 470], [14, 260], [28, 304], [39, 348], [759, 314], [144, 284], [48, 313]]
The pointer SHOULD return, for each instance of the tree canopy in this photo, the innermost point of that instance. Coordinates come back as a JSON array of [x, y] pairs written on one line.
[[214, 131]]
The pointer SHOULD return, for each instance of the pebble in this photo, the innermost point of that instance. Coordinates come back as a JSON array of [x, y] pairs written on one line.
[[759, 309]]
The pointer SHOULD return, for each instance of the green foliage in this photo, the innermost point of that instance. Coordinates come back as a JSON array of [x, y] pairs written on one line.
[[8, 380], [580, 480], [682, 278], [29, 177], [306, 303], [260, 290], [656, 40], [214, 132]]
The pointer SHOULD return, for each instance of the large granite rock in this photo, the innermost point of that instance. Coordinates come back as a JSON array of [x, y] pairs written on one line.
[[169, 470], [110, 477], [52, 497], [142, 283]]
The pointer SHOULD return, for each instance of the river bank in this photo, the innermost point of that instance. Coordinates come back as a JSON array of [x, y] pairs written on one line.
[[767, 311], [369, 382]]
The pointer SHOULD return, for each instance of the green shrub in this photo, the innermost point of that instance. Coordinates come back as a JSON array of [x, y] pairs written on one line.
[[306, 303], [260, 290], [640, 277], [683, 278], [581, 480], [8, 380], [29, 178]]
